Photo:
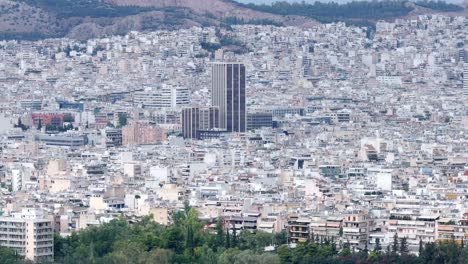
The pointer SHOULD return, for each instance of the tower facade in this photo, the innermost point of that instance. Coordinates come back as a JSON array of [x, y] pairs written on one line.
[[195, 119], [465, 80], [228, 94]]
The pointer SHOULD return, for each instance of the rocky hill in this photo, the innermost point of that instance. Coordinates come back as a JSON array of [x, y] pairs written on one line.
[[84, 19]]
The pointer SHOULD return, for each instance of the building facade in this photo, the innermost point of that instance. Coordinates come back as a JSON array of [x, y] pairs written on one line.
[[162, 97], [195, 119], [259, 120], [465, 80], [32, 238], [228, 94], [140, 133]]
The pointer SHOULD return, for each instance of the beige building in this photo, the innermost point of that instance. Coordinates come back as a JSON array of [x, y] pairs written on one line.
[[140, 133], [56, 167], [161, 215], [448, 229], [298, 229], [132, 169], [356, 227], [414, 227], [328, 228], [29, 236]]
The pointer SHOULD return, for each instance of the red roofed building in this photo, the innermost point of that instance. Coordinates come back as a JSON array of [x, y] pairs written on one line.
[[55, 119]]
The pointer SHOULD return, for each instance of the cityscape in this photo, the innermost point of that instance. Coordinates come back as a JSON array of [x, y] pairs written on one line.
[[243, 143]]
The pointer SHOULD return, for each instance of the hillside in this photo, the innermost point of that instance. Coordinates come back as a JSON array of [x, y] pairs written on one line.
[[22, 20], [358, 12], [84, 19]]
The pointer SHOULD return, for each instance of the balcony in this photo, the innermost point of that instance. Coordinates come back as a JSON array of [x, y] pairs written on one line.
[[299, 231], [350, 230]]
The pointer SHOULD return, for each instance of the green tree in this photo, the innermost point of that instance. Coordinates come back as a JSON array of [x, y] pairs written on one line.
[[281, 238], [9, 256], [192, 229], [228, 238], [377, 247], [208, 256], [185, 241], [395, 246], [158, 255], [21, 125], [39, 124], [365, 252], [429, 253], [116, 258], [421, 247], [236, 256], [255, 241], [174, 239], [333, 246], [284, 254], [373, 257], [346, 251], [219, 234], [123, 119], [404, 250], [68, 118], [234, 236], [449, 251]]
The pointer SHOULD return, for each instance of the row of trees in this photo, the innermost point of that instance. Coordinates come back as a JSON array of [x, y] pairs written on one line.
[[439, 5], [396, 252], [188, 240], [185, 241], [86, 8], [356, 13], [333, 11], [232, 20]]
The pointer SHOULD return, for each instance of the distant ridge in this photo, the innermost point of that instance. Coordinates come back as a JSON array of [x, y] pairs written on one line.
[[84, 19]]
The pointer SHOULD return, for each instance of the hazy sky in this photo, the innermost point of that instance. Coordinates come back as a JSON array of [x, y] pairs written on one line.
[[272, 1]]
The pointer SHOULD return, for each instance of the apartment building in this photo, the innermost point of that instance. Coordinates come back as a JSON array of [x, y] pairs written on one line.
[[30, 235], [414, 227], [298, 229], [329, 228], [356, 227], [448, 229], [244, 221], [139, 133], [162, 97]]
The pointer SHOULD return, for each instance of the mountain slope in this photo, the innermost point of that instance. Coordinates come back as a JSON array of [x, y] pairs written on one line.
[[84, 19], [18, 19], [216, 8]]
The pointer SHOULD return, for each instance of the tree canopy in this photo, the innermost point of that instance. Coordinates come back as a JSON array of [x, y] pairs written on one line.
[[188, 240]]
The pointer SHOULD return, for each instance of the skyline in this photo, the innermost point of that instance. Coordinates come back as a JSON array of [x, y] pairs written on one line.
[[173, 136]]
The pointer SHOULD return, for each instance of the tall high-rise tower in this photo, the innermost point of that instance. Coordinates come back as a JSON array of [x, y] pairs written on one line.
[[228, 94], [465, 80], [195, 119]]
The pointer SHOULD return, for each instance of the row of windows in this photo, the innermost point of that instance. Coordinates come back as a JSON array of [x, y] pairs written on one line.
[[7, 224], [12, 230]]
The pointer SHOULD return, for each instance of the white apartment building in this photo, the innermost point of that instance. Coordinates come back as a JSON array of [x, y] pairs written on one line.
[[465, 80], [389, 80], [415, 228], [356, 227], [29, 234], [162, 97]]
